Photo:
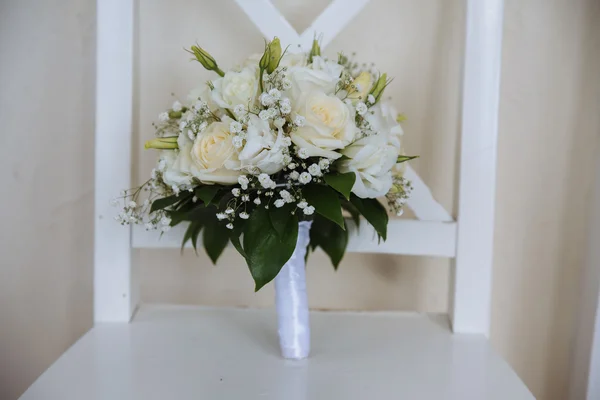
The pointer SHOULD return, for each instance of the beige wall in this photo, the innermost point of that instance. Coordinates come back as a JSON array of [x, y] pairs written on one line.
[[46, 159], [549, 132]]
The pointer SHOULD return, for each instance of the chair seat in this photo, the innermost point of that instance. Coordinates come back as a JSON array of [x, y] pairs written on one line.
[[180, 352]]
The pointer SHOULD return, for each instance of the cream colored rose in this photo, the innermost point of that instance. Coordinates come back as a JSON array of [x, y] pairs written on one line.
[[236, 88], [215, 159], [371, 159], [363, 82], [329, 125]]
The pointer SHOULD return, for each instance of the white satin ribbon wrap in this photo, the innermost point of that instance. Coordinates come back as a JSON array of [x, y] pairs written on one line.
[[291, 301]]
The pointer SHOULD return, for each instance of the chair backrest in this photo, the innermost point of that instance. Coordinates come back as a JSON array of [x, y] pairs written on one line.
[[468, 239]]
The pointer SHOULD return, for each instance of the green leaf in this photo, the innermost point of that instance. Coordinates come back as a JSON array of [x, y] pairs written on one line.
[[207, 193], [326, 201], [354, 213], [343, 183], [280, 217], [191, 212], [331, 238], [192, 233], [165, 202], [215, 238], [402, 159], [234, 236], [374, 213], [266, 250]]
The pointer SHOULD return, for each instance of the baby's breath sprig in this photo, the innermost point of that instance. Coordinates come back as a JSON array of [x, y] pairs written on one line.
[[398, 194]]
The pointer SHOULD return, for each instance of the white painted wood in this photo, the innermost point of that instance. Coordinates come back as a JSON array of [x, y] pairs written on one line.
[[472, 275], [332, 21], [207, 353], [114, 288], [421, 201], [404, 237], [585, 372], [270, 22]]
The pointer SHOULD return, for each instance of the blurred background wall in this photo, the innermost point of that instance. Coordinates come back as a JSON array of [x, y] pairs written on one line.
[[548, 138], [47, 64]]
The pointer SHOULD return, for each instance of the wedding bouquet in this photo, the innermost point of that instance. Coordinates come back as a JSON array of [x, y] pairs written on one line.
[[280, 139]]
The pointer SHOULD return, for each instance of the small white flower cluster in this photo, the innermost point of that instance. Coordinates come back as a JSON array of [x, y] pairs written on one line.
[[278, 79], [139, 213], [399, 194], [277, 108], [261, 190], [195, 119]]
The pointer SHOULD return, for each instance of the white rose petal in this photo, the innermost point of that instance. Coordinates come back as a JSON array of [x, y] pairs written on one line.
[[383, 121], [263, 148], [236, 88], [371, 159]]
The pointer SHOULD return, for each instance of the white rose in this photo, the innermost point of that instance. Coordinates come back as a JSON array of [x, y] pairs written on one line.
[[177, 166], [371, 159], [236, 88], [329, 125], [383, 120], [307, 79], [331, 68], [290, 59], [214, 157], [263, 148]]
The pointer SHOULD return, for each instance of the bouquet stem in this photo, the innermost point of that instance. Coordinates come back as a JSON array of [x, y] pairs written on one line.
[[291, 301]]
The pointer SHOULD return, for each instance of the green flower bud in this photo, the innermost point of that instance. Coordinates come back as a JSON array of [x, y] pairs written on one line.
[[175, 114], [206, 59], [379, 86], [315, 50], [274, 55], [163, 143], [263, 64]]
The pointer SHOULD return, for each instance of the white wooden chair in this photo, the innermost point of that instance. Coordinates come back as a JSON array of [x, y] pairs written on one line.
[[192, 352]]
